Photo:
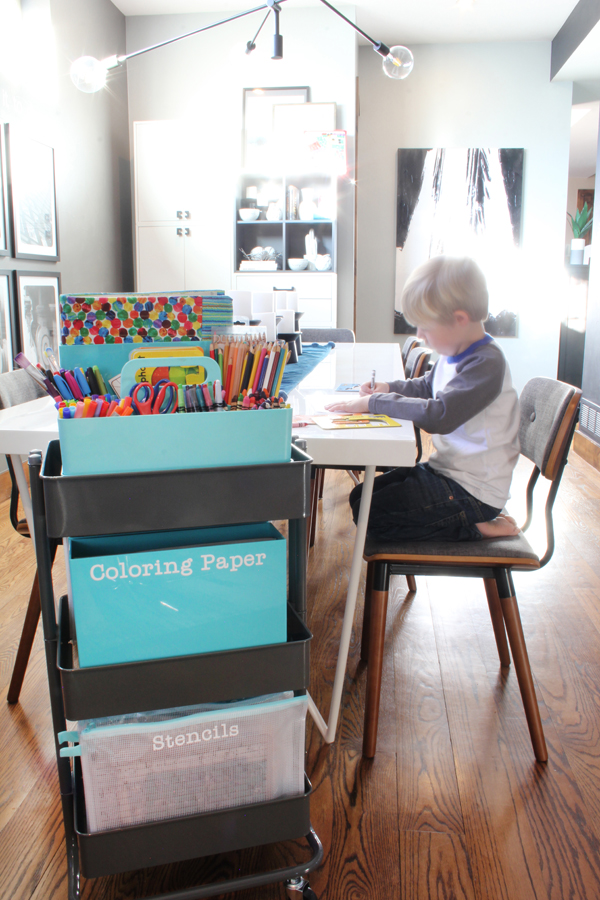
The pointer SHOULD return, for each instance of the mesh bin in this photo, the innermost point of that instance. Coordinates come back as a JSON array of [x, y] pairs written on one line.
[[172, 763]]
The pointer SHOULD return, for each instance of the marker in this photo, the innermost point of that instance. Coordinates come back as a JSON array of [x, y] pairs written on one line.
[[180, 400], [373, 380]]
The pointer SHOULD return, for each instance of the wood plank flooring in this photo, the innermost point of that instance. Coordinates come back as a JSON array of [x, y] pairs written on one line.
[[453, 807]]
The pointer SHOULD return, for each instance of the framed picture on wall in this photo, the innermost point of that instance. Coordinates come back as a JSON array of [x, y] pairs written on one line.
[[39, 313], [4, 232], [259, 103], [33, 197], [7, 322]]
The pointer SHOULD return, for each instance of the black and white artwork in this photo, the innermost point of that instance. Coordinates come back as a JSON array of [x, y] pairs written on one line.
[[459, 202], [4, 239], [31, 166], [6, 311], [37, 298]]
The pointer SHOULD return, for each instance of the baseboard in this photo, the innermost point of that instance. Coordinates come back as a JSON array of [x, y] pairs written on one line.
[[587, 449]]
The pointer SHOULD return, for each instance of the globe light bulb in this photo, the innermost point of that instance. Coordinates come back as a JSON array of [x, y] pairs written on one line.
[[88, 74], [398, 63]]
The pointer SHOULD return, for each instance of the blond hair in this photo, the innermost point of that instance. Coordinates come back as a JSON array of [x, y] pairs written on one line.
[[441, 286]]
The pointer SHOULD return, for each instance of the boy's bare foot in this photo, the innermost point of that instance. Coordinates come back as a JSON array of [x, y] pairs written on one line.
[[501, 526]]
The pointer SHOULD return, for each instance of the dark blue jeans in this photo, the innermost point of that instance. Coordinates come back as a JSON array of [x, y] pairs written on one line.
[[417, 504]]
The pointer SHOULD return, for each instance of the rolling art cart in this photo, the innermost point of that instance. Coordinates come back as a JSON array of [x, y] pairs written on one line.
[[130, 503]]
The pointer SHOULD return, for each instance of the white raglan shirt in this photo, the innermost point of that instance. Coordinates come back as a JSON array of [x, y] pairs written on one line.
[[469, 406]]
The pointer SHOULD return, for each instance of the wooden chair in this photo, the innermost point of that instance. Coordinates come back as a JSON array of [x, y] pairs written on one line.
[[409, 344], [416, 365], [417, 362], [18, 387], [548, 417]]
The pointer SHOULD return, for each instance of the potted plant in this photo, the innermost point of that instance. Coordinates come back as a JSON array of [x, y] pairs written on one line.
[[581, 223]]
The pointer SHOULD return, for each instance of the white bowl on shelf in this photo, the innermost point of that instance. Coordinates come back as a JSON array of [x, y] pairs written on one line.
[[296, 265], [249, 215]]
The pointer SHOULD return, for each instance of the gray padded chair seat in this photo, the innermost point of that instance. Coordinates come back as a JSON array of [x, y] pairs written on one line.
[[514, 550], [323, 335], [18, 387]]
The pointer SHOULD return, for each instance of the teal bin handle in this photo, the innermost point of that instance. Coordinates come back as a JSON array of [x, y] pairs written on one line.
[[71, 736], [70, 751], [128, 371]]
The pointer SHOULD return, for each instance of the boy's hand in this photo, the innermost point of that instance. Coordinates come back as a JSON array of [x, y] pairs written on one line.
[[358, 405], [381, 387]]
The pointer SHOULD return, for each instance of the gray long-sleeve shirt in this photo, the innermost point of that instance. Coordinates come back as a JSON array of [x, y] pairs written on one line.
[[468, 405]]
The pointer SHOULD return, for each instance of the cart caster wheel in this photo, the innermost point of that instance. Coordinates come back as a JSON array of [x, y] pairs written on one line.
[[299, 886]]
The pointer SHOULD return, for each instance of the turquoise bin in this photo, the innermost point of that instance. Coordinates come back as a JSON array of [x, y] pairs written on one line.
[[154, 443], [176, 593]]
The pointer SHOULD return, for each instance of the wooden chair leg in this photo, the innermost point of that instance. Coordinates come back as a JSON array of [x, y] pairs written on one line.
[[25, 644], [411, 581], [491, 590], [364, 644], [512, 620], [379, 602]]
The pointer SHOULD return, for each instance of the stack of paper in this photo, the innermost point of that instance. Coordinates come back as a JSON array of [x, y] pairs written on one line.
[[216, 313]]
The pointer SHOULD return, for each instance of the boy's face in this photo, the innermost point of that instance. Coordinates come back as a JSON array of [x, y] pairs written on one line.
[[451, 339]]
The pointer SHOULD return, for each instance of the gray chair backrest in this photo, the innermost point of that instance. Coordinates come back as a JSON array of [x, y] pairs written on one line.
[[409, 344], [548, 412], [416, 363], [322, 335], [18, 387]]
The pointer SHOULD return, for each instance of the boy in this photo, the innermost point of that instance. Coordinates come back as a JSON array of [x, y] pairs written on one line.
[[468, 405]]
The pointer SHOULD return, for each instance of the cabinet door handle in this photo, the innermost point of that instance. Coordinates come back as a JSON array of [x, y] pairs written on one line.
[[179, 214], [180, 232], [187, 214], [188, 231]]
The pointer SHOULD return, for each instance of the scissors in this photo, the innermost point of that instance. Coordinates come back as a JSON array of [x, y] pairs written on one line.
[[151, 400]]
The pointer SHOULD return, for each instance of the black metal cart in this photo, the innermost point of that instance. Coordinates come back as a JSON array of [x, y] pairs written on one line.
[[76, 506]]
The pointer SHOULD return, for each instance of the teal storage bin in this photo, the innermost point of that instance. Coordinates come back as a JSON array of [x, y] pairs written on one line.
[[181, 441], [164, 594], [194, 441]]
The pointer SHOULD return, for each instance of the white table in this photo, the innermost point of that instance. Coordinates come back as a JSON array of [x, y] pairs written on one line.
[[28, 426], [31, 426], [351, 363]]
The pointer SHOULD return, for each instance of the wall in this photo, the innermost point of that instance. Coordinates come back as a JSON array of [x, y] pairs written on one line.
[[591, 361], [496, 95], [88, 132], [200, 81]]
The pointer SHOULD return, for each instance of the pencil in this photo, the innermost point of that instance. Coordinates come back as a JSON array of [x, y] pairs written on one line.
[[285, 356], [274, 368], [228, 382], [258, 358], [269, 369]]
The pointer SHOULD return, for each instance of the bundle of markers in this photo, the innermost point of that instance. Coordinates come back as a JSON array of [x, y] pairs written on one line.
[[95, 407], [249, 366], [209, 397]]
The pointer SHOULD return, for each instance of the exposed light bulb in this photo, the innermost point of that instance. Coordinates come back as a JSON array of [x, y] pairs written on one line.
[[398, 63], [88, 74]]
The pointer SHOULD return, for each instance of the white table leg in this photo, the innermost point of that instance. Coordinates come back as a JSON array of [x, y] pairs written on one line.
[[23, 489], [328, 729]]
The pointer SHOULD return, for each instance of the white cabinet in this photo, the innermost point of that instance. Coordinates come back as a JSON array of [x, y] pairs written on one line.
[[169, 258], [317, 293], [168, 223], [160, 189]]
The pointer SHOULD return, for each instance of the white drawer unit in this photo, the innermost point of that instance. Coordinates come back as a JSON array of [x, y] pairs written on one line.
[[317, 293]]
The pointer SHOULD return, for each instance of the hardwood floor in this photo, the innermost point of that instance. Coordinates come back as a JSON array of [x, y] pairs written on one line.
[[453, 806]]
